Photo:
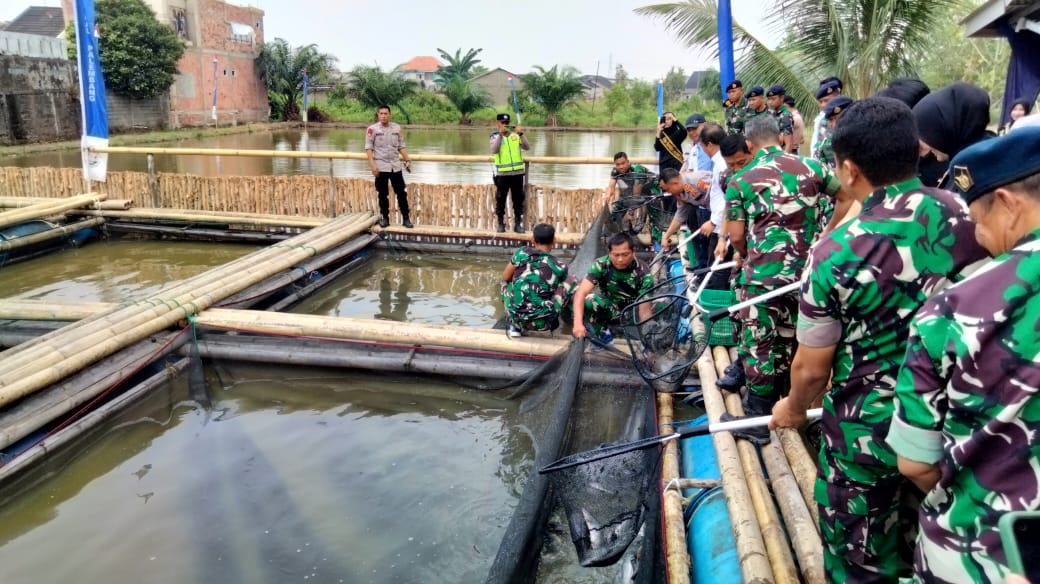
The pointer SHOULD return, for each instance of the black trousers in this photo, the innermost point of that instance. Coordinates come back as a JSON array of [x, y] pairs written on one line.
[[397, 180], [504, 185]]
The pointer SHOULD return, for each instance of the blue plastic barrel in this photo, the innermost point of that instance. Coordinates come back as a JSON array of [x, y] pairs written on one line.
[[709, 535]]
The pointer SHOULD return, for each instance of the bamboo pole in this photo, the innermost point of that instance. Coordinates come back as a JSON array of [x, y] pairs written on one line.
[[780, 558], [751, 549], [446, 232], [47, 209], [352, 155], [187, 215], [677, 558], [115, 205], [19, 202], [803, 466], [58, 356], [65, 230], [800, 525]]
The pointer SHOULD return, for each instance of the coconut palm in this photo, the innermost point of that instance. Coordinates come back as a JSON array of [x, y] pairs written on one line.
[[466, 97], [281, 67], [553, 89], [374, 87], [458, 66], [865, 42]]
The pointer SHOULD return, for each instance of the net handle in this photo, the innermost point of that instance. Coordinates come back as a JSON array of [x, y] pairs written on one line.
[[723, 312], [598, 454]]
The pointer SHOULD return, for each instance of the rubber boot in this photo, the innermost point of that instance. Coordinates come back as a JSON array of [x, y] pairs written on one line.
[[501, 224], [518, 226], [733, 378], [384, 221], [407, 223], [758, 405], [758, 435]]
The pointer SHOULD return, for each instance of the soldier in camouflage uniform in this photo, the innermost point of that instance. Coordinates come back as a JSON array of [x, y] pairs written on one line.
[[784, 119], [966, 399], [735, 105], [824, 153], [621, 279], [771, 213], [756, 105], [864, 282], [534, 285]]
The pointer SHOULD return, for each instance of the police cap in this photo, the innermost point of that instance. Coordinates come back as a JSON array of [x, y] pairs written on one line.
[[695, 120], [985, 166], [504, 118]]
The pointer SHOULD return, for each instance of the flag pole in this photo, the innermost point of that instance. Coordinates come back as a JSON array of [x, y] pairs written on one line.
[[93, 107], [304, 98], [214, 114]]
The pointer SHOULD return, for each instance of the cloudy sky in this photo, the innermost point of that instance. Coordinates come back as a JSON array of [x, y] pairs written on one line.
[[581, 33]]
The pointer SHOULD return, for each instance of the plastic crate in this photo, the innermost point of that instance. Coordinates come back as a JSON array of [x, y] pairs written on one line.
[[724, 333]]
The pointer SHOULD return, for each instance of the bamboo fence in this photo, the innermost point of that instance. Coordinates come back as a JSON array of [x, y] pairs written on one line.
[[467, 206]]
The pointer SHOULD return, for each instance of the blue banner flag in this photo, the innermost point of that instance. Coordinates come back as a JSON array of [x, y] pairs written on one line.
[[93, 106], [725, 32], [305, 96], [516, 103], [660, 98]]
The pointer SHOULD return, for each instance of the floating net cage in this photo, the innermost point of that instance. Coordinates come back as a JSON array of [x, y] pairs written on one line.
[[629, 213]]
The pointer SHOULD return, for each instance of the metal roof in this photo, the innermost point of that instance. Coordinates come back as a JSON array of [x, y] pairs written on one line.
[[45, 21], [985, 20]]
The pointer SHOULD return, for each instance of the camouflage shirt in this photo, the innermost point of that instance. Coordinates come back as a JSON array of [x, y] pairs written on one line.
[[784, 119], [777, 196], [967, 400], [825, 153], [536, 278], [620, 287], [735, 116], [865, 281], [637, 175]]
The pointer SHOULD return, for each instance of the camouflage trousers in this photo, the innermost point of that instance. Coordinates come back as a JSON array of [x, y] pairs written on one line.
[[600, 311], [767, 342], [872, 544], [541, 315]]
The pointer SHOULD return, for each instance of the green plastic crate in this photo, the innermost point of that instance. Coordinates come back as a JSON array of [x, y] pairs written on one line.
[[724, 333]]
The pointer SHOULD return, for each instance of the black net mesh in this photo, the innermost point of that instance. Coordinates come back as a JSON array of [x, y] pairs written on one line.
[[629, 212]]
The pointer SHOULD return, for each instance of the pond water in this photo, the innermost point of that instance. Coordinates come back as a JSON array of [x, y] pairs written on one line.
[[419, 141]]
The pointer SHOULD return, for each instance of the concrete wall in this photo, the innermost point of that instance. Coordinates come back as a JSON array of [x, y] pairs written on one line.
[[496, 83], [137, 114], [38, 99], [32, 45]]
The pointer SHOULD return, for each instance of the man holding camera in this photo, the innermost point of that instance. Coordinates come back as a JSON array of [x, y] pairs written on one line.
[[508, 144], [668, 142]]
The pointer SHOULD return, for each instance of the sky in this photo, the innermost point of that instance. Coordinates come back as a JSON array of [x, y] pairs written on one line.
[[581, 33]]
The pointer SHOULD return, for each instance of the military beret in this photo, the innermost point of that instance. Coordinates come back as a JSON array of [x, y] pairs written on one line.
[[836, 106], [776, 89], [829, 88], [985, 166], [755, 91], [735, 84], [694, 120], [504, 118], [788, 100]]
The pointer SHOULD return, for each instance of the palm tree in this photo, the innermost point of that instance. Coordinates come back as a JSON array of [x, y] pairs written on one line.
[[459, 66], [281, 67], [553, 89], [865, 42], [374, 87], [466, 97]]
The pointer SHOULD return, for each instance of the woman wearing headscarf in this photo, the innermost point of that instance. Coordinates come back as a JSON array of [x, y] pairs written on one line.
[[1020, 108], [948, 121]]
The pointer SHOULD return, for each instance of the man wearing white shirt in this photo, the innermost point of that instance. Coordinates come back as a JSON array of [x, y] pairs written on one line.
[[700, 189]]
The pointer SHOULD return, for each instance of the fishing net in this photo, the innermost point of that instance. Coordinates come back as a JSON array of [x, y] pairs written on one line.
[[629, 212]]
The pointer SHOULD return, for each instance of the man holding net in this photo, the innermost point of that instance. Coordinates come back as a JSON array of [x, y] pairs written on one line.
[[626, 192], [621, 279], [534, 285]]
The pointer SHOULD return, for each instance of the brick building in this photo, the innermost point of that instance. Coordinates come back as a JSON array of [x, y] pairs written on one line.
[[220, 32]]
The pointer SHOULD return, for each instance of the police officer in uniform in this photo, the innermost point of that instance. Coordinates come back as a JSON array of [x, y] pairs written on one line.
[[508, 144], [385, 148]]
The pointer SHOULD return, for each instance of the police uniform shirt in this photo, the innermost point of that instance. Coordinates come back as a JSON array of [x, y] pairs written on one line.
[[385, 142]]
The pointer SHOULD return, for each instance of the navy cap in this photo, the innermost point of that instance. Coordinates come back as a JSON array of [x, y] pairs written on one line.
[[829, 88], [504, 118], [788, 100], [836, 106], [985, 166], [755, 91], [735, 84], [776, 89], [694, 121]]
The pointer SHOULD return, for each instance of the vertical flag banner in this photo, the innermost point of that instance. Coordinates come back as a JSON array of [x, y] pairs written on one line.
[[305, 96], [727, 72], [516, 104], [93, 107], [660, 98], [214, 114]]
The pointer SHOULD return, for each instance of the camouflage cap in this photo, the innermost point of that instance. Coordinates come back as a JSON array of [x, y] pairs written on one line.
[[993, 163]]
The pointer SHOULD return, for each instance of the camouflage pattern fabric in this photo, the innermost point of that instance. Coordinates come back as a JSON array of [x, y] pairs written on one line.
[[735, 116], [825, 153], [536, 295], [966, 399], [777, 196], [865, 280], [750, 113], [784, 119], [617, 289], [767, 342]]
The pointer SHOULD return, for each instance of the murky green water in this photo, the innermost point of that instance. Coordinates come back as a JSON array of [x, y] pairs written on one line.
[[423, 288], [440, 141], [112, 270], [293, 475]]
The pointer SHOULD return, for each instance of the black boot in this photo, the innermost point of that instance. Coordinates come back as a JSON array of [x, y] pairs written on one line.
[[384, 221], [758, 405], [518, 226], [758, 434], [406, 223], [501, 224], [733, 377]]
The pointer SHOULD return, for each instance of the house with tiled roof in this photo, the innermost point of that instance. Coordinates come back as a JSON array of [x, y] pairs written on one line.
[[421, 69], [45, 21]]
